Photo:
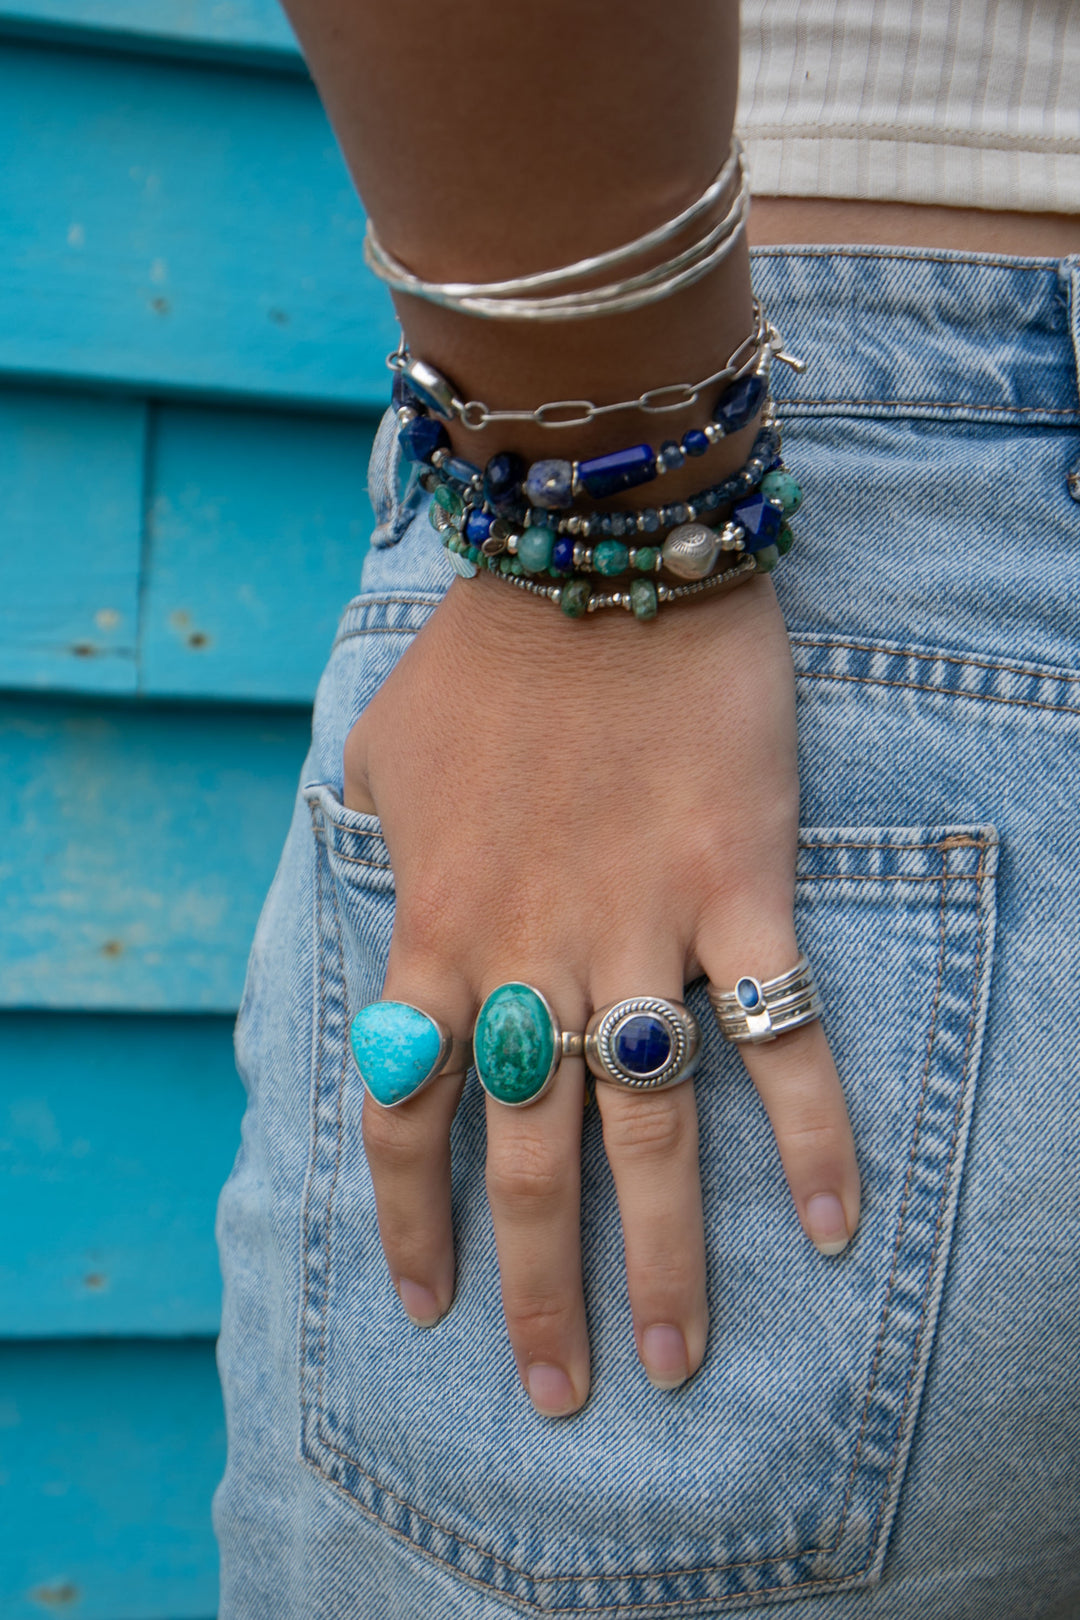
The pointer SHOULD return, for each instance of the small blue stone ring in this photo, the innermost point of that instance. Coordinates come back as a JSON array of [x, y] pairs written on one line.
[[761, 1009], [643, 1044], [398, 1050]]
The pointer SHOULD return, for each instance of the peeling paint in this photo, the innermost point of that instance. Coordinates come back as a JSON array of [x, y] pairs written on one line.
[[113, 948], [198, 639], [106, 618], [160, 306], [279, 317], [95, 1281], [76, 235], [84, 649], [159, 271], [179, 620], [56, 1594]]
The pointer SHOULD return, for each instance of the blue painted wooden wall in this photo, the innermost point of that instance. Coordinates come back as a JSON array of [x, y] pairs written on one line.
[[190, 375]]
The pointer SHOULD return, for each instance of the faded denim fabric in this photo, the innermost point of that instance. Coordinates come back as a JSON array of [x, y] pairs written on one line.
[[889, 1434]]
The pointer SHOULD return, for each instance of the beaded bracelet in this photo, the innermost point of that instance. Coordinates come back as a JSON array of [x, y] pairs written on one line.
[[553, 484], [764, 457]]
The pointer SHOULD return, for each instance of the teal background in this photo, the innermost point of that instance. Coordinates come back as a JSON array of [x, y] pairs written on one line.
[[190, 376]]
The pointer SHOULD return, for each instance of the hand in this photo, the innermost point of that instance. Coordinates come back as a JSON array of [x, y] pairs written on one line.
[[602, 809]]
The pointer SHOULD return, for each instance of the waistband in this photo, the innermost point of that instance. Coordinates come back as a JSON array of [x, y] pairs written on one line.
[[933, 333]]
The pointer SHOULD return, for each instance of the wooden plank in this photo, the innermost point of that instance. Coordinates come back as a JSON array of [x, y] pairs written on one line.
[[135, 850], [258, 527], [111, 1454], [169, 227], [71, 470], [116, 1135], [248, 30]]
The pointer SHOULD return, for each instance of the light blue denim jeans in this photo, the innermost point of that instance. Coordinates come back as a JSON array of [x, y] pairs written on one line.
[[890, 1434]]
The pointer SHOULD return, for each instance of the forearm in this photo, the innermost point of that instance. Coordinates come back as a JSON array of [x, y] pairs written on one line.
[[498, 140]]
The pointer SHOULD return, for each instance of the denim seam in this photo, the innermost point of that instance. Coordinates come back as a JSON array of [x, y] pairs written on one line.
[[937, 658], [909, 255], [328, 1220], [316, 1088], [940, 691], [943, 878], [915, 1139], [943, 1199]]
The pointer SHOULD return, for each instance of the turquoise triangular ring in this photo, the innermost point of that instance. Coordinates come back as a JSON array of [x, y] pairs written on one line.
[[399, 1049]]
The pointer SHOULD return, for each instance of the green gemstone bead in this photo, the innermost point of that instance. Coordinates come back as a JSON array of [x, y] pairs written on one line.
[[784, 540], [611, 557], [449, 500], [506, 565], [645, 559], [643, 600], [779, 485], [574, 598], [767, 559], [474, 554], [514, 1044], [535, 548]]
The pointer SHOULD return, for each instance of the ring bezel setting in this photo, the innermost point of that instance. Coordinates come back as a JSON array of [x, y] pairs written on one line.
[[486, 1060], [661, 1051], [392, 1047], [759, 1010]]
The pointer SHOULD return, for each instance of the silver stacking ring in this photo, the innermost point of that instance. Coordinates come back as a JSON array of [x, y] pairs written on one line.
[[761, 1009], [643, 1043]]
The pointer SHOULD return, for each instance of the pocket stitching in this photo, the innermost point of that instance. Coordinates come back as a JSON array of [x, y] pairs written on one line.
[[540, 1582]]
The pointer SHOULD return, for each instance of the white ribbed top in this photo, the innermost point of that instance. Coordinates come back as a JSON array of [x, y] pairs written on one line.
[[973, 103]]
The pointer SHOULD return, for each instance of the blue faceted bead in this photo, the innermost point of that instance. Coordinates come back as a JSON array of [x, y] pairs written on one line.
[[748, 994], [759, 519], [477, 526], [695, 442], [420, 438], [738, 404], [562, 554], [650, 520], [671, 455], [550, 484], [603, 476], [503, 478], [642, 1044], [462, 472]]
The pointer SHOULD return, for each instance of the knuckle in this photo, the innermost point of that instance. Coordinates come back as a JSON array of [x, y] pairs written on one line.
[[524, 1171], [392, 1139], [648, 1127], [535, 1319], [664, 1275]]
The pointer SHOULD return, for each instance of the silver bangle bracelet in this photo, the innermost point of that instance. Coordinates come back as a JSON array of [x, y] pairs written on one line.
[[523, 297]]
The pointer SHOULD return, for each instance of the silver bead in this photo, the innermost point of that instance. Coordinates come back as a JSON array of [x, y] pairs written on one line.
[[582, 555], [690, 551], [440, 457], [691, 512], [461, 565], [406, 414], [432, 387], [732, 536], [573, 524], [713, 432]]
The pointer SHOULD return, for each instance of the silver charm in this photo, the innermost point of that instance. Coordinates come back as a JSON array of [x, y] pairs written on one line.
[[431, 387], [461, 565], [690, 551]]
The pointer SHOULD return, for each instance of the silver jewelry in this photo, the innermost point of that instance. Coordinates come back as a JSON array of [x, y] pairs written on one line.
[[761, 1009], [523, 297], [754, 353], [644, 1043], [744, 570], [518, 1044], [399, 1049]]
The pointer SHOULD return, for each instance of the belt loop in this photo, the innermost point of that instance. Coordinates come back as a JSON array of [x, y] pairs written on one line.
[[1070, 269]]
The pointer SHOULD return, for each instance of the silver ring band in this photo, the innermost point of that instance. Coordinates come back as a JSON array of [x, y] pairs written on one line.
[[644, 1043], [761, 1009]]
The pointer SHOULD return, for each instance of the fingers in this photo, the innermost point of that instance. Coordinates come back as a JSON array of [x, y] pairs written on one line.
[[651, 1141], [534, 1189], [797, 1081], [408, 1154]]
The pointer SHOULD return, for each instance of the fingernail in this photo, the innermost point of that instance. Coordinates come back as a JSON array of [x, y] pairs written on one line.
[[550, 1391], [827, 1223], [663, 1354], [421, 1306]]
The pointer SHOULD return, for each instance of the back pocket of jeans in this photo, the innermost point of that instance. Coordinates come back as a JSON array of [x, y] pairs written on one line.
[[775, 1472]]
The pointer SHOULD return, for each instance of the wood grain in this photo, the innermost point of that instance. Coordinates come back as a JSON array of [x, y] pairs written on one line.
[[122, 1131]]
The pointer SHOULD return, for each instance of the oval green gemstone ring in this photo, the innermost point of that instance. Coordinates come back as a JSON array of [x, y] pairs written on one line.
[[398, 1050], [518, 1044]]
